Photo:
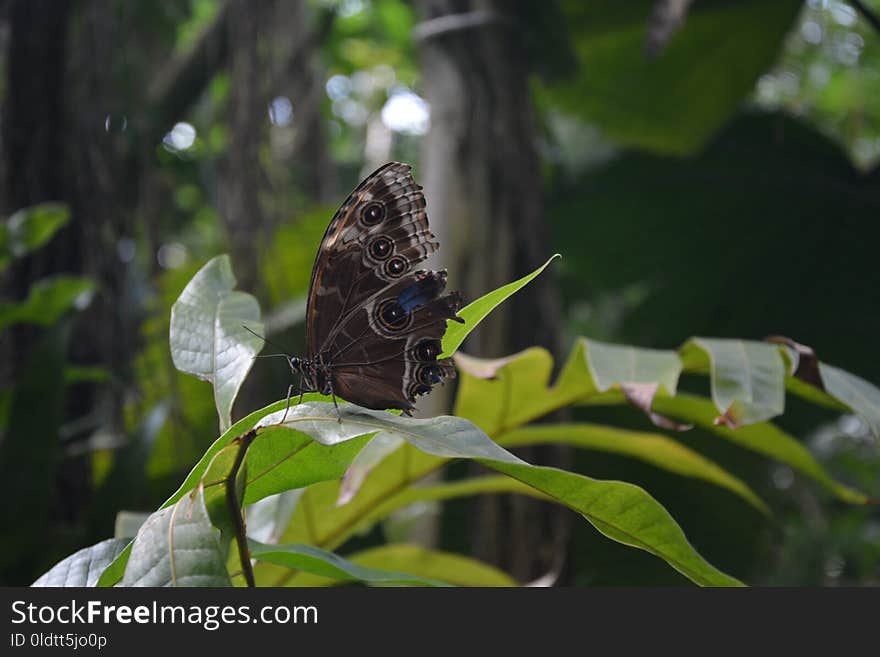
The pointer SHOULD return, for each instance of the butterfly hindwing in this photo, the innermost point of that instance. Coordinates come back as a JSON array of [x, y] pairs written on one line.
[[385, 355]]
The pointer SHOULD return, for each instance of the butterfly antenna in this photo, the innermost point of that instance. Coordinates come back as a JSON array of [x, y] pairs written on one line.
[[269, 342]]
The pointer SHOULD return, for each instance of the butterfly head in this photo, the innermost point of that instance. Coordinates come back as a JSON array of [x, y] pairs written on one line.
[[297, 365], [314, 374]]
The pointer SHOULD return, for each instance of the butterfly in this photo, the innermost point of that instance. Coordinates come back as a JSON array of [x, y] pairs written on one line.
[[373, 325]]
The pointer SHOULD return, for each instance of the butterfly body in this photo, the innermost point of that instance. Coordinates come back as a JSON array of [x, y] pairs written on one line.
[[373, 324]]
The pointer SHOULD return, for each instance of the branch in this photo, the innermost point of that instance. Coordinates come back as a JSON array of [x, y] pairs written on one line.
[[441, 25], [867, 13], [181, 81]]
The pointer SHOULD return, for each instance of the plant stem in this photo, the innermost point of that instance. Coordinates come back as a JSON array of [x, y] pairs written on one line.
[[235, 508]]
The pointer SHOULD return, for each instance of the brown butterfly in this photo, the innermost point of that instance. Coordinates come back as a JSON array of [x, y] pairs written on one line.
[[373, 326]]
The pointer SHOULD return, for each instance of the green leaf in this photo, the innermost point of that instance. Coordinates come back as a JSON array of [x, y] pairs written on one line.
[[483, 485], [748, 378], [317, 456], [611, 365], [47, 301], [277, 460], [327, 564], [278, 466], [178, 546], [862, 397], [456, 569], [624, 513], [655, 449], [520, 389], [281, 459], [675, 102], [447, 436], [207, 334], [651, 528], [29, 229], [318, 520], [83, 567], [475, 312], [763, 437], [113, 573], [518, 393]]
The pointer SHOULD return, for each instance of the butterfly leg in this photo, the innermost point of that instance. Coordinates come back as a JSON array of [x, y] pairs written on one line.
[[287, 406], [336, 405]]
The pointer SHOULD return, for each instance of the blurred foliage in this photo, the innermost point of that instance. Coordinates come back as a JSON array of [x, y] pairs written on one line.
[[675, 101], [828, 74], [727, 186], [29, 229]]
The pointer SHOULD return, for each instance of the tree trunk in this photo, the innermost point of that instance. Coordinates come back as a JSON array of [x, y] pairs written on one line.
[[243, 174], [60, 143], [481, 174]]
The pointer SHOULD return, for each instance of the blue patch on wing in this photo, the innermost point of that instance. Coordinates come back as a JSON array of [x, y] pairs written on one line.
[[417, 294]]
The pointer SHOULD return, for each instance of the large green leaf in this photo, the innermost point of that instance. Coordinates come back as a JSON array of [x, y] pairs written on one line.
[[748, 378], [652, 448], [29, 229], [764, 438], [277, 460], [446, 435], [48, 300], [178, 546], [313, 446], [520, 393], [208, 337], [483, 485], [450, 437], [83, 568], [318, 520], [327, 564], [456, 569], [282, 459], [475, 312], [674, 102], [622, 512]]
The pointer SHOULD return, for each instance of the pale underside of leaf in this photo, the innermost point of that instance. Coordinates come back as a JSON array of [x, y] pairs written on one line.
[[178, 546], [83, 567]]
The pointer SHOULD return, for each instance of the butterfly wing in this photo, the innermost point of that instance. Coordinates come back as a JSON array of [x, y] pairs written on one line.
[[371, 320], [375, 238], [385, 354]]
